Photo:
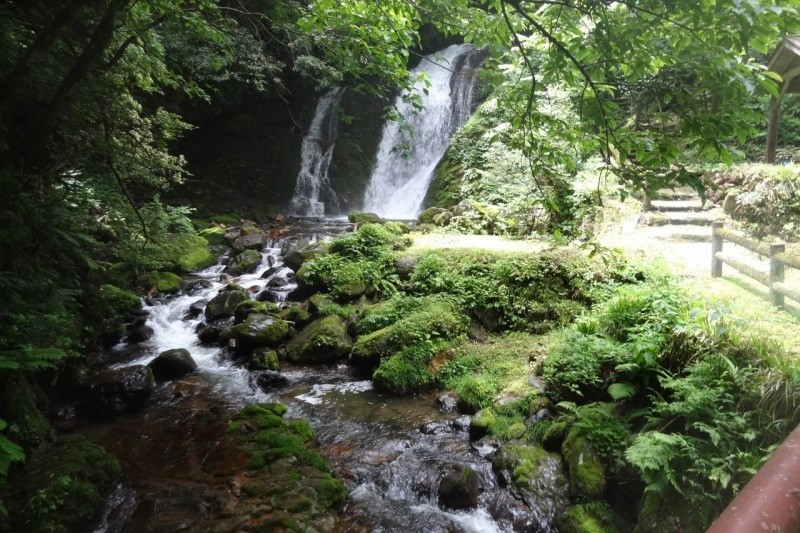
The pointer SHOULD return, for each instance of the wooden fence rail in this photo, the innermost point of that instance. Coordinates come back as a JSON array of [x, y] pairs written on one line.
[[778, 261]]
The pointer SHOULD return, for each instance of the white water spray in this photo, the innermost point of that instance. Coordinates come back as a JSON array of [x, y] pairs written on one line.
[[313, 188], [405, 162]]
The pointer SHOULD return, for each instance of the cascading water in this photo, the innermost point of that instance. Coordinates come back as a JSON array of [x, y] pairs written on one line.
[[313, 191], [405, 161], [392, 450]]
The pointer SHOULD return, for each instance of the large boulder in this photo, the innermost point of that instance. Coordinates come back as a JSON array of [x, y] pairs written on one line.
[[224, 304], [587, 473], [534, 477], [250, 241], [139, 334], [296, 257], [360, 217], [250, 307], [164, 282], [259, 330], [172, 364], [244, 263], [115, 392], [460, 488], [435, 215], [322, 341], [271, 380]]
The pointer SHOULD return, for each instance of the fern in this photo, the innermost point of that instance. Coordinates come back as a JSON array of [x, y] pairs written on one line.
[[32, 359], [9, 452]]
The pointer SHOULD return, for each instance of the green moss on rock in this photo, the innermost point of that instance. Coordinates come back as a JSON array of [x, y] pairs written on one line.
[[402, 374], [264, 359], [120, 300], [359, 217], [250, 307], [481, 423], [244, 263], [594, 517], [259, 330], [214, 235], [587, 473], [73, 476], [164, 282], [195, 255], [322, 341]]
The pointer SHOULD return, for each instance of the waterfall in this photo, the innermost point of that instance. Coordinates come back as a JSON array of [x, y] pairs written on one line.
[[410, 149], [313, 189]]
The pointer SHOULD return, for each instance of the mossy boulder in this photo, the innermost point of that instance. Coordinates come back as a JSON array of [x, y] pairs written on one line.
[[317, 302], [214, 235], [265, 359], [360, 217], [164, 282], [249, 307], [425, 319], [74, 475], [224, 304], [296, 314], [594, 517], [297, 257], [401, 373], [259, 330], [21, 405], [244, 263], [436, 216], [322, 341], [194, 254], [275, 443], [481, 423], [172, 364], [119, 300], [535, 477], [587, 472], [460, 488]]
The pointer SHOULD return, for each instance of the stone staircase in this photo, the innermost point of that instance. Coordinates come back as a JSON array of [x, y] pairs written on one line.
[[679, 215]]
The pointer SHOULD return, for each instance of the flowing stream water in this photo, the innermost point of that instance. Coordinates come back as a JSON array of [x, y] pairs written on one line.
[[411, 148], [313, 194], [390, 450]]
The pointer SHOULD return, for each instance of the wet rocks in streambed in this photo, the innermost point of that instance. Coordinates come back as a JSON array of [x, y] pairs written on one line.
[[115, 392], [172, 364], [243, 263], [195, 310], [535, 478], [270, 380], [460, 488], [250, 241], [322, 341], [251, 307], [215, 332], [225, 302], [296, 257], [139, 335], [447, 401], [259, 330], [264, 359]]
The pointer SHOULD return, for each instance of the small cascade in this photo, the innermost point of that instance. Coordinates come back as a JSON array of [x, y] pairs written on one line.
[[313, 194], [405, 162]]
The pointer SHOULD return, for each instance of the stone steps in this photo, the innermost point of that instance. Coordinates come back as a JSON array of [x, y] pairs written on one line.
[[682, 218], [679, 205], [681, 233]]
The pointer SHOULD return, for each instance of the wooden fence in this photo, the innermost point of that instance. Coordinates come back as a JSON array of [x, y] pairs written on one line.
[[778, 261]]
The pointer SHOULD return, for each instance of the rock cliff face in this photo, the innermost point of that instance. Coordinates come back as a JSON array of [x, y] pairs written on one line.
[[247, 158]]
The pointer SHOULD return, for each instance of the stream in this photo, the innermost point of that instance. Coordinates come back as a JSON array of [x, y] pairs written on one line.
[[391, 451]]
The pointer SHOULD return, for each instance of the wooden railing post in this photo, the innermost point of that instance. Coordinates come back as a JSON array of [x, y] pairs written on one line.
[[776, 271], [716, 246]]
